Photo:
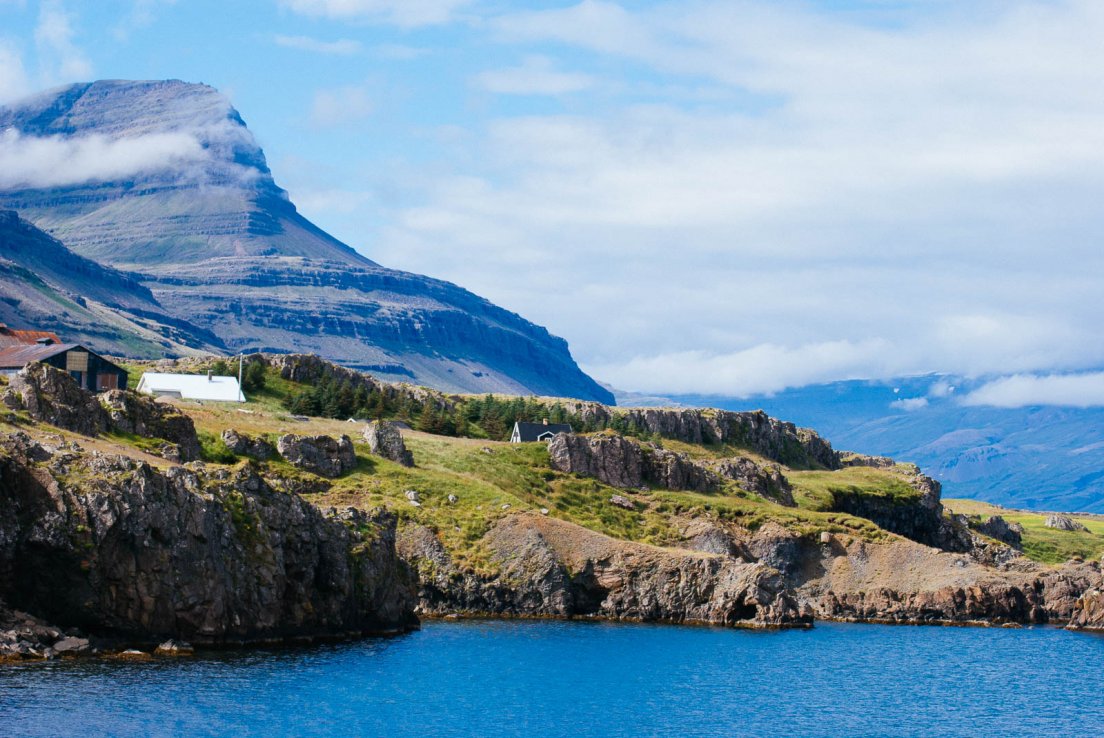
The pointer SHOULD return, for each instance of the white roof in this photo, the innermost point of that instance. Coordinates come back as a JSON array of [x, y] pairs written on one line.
[[192, 386]]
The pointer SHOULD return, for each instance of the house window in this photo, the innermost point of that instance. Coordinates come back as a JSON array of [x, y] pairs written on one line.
[[107, 381]]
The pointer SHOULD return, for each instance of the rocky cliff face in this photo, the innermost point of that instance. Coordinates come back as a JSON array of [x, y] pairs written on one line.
[[206, 229], [113, 545], [552, 568], [626, 463], [775, 439], [52, 396]]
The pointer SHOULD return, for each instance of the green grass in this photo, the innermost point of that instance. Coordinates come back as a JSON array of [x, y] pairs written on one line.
[[213, 449], [142, 443], [1043, 544], [519, 476], [817, 490]]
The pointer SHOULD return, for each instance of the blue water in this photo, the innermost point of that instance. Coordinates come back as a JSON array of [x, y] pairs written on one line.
[[487, 678]]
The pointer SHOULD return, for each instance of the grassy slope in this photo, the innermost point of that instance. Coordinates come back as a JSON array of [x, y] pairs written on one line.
[[485, 476], [490, 479], [1039, 542]]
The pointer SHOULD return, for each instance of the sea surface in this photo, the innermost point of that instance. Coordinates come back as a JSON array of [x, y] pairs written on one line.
[[546, 678]]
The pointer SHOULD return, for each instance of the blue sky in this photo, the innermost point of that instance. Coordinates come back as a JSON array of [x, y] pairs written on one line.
[[713, 197]]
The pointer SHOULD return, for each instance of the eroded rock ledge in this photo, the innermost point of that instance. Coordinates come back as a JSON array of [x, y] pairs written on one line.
[[552, 568]]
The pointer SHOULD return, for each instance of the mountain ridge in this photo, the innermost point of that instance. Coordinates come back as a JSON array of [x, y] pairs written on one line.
[[200, 222]]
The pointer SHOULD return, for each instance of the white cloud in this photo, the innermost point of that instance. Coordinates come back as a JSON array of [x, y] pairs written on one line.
[[763, 369], [535, 76], [910, 404], [941, 389], [13, 76], [406, 13], [59, 56], [340, 106], [340, 47], [27, 161], [143, 13], [922, 194], [1022, 390]]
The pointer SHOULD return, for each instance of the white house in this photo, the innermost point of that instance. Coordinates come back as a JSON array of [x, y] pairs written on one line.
[[191, 387]]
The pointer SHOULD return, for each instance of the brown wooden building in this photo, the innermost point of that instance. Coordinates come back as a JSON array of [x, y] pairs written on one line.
[[92, 372]]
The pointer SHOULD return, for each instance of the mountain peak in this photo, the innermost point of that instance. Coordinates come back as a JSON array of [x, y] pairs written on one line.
[[203, 179]]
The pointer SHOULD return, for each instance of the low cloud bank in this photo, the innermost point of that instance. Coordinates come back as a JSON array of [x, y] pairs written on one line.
[[56, 161], [1022, 390]]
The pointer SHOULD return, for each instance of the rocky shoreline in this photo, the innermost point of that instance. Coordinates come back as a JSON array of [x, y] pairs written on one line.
[[129, 558]]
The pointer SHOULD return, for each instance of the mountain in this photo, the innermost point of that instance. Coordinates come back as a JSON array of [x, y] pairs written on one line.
[[163, 179], [44, 285], [1041, 458]]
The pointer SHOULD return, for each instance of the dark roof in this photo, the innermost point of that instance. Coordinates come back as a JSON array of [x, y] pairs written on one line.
[[533, 431], [17, 357]]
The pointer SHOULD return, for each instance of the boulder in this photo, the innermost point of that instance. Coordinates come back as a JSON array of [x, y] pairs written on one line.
[[384, 439], [1063, 522], [174, 648], [52, 396], [142, 416], [622, 502], [322, 455], [245, 445]]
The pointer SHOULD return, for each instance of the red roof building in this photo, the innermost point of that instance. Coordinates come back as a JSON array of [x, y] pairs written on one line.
[[14, 337]]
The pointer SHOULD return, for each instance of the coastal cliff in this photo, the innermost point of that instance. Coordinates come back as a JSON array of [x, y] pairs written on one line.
[[117, 547], [109, 532]]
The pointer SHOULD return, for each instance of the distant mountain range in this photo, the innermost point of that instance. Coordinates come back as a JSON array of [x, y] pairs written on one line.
[[1042, 458], [164, 186]]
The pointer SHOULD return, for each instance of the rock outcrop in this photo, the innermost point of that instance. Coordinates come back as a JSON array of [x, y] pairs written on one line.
[[910, 583], [322, 455], [1088, 611], [765, 480], [756, 431], [1063, 522], [625, 463], [113, 545], [243, 444], [384, 439], [997, 527], [25, 637], [140, 415], [553, 568], [611, 459], [917, 516], [51, 396]]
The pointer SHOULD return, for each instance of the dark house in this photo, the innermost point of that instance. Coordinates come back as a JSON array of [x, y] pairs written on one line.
[[92, 372], [530, 432]]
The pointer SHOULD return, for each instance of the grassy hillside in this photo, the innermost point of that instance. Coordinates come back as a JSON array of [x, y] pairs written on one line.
[[490, 479], [1040, 542]]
